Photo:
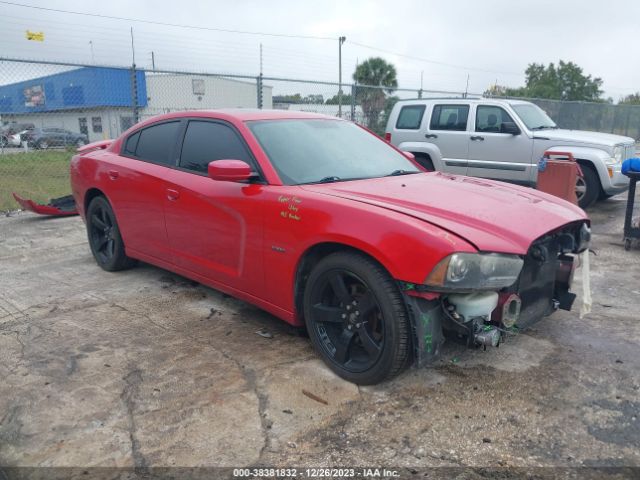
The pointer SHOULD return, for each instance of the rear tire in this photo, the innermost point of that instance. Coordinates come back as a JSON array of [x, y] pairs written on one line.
[[356, 318], [104, 236], [587, 187]]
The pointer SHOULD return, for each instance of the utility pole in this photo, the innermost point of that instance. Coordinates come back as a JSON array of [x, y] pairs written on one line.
[[466, 90], [420, 92], [91, 47], [259, 82], [133, 50], [340, 42], [134, 83], [153, 61]]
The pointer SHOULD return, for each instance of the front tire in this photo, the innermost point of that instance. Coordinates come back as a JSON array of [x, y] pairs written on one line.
[[356, 318], [105, 240], [587, 187]]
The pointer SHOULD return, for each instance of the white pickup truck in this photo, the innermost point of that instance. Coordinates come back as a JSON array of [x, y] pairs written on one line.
[[504, 140]]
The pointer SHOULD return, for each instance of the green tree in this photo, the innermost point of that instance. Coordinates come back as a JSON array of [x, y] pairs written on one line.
[[632, 99], [374, 72], [295, 98], [346, 100], [566, 81], [314, 99]]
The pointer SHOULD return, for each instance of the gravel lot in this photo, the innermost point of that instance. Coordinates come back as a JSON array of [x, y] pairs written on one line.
[[145, 368]]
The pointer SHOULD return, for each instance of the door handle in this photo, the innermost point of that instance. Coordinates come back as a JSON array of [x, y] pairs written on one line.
[[113, 174], [431, 135], [172, 195], [477, 137]]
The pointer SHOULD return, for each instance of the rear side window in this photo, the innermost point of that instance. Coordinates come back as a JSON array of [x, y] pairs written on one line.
[[410, 117], [132, 143], [208, 141], [449, 117], [156, 143]]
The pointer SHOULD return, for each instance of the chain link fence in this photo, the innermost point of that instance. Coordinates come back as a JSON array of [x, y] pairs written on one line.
[[49, 109], [594, 116]]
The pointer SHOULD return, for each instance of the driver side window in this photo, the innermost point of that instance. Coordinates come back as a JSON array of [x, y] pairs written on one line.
[[489, 118], [208, 141]]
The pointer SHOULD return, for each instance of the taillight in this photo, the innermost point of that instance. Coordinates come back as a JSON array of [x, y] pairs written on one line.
[[387, 137]]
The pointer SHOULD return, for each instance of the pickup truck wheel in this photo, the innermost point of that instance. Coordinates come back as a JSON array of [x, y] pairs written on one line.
[[105, 241], [587, 187], [356, 318]]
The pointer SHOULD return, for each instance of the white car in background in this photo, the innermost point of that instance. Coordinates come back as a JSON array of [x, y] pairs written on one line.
[[15, 140], [504, 140]]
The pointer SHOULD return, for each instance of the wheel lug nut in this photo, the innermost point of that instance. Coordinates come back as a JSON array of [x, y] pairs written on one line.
[[344, 315], [357, 313], [348, 307], [354, 302]]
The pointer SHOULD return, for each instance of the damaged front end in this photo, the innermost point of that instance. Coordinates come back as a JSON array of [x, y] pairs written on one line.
[[57, 207], [480, 297]]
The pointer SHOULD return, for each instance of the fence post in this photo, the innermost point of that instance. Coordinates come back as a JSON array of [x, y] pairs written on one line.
[[134, 94], [626, 122], [259, 92], [353, 102]]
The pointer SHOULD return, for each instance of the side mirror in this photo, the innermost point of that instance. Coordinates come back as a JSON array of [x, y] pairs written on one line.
[[510, 128], [410, 156], [229, 170]]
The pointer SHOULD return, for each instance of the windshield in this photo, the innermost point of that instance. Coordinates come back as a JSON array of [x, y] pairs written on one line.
[[319, 151], [533, 117]]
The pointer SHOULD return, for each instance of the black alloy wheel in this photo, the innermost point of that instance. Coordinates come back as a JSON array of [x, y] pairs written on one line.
[[356, 318], [104, 237]]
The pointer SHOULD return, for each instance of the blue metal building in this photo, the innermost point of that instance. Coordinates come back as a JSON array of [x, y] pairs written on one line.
[[81, 88]]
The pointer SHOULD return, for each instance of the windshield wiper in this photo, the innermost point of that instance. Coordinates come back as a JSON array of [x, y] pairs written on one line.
[[395, 173], [329, 179], [544, 127]]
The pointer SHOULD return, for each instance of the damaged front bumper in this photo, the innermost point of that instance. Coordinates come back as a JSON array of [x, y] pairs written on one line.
[[63, 206], [483, 317]]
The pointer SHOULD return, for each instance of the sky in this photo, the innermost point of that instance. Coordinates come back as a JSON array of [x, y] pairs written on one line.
[[453, 45]]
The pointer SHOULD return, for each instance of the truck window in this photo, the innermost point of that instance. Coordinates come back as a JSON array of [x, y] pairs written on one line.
[[410, 117], [449, 117], [490, 118]]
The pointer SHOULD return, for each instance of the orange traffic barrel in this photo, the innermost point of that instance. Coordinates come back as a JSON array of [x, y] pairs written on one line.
[[557, 175]]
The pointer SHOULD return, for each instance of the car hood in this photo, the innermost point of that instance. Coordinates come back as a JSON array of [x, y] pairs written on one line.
[[493, 216], [580, 136]]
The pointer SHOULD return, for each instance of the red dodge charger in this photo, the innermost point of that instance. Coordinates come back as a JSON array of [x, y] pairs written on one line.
[[327, 226]]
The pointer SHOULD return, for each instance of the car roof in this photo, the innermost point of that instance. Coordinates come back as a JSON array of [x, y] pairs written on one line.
[[424, 101], [244, 114]]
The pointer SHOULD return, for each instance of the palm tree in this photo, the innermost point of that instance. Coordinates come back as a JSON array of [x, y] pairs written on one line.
[[374, 72]]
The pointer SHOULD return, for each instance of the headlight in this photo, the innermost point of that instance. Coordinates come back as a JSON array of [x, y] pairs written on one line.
[[475, 271], [617, 154]]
